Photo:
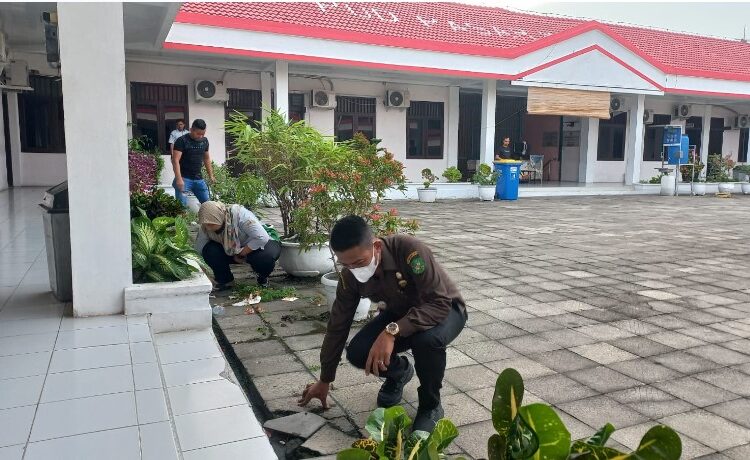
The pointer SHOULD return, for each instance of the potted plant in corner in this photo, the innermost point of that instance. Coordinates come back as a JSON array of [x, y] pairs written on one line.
[[345, 188], [486, 179], [428, 193], [718, 171], [743, 173], [452, 175]]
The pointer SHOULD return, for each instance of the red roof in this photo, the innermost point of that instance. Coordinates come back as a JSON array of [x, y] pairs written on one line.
[[467, 29]]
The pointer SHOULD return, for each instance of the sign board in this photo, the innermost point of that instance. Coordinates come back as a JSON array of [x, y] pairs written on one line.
[[679, 153], [672, 134]]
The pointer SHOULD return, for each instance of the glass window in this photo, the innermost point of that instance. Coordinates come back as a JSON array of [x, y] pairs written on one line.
[[354, 115], [652, 141], [424, 130], [156, 109], [41, 116], [611, 145]]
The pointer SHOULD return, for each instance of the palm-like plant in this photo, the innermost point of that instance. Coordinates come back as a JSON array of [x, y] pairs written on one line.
[[161, 250]]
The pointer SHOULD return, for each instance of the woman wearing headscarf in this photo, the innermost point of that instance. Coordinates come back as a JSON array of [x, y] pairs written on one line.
[[230, 233]]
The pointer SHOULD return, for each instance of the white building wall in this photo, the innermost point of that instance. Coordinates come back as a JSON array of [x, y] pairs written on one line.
[[3, 168]]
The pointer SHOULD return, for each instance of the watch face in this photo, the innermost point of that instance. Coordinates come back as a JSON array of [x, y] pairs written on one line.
[[392, 328]]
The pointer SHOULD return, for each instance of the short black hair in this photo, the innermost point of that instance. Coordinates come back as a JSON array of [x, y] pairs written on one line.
[[198, 124], [350, 232], [179, 120]]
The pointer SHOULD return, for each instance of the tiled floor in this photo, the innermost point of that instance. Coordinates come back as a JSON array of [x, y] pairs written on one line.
[[105, 387]]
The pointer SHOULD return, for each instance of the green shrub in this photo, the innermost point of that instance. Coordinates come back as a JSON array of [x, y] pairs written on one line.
[[484, 175], [155, 203], [428, 177], [245, 189], [161, 250], [452, 174]]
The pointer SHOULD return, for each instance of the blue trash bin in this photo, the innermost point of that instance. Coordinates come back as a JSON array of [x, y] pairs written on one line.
[[509, 175]]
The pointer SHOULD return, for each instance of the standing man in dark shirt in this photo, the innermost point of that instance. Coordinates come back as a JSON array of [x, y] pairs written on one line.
[[504, 152], [423, 312], [189, 154]]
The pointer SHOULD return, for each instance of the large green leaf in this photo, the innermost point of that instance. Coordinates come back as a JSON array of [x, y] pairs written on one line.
[[181, 236], [497, 447], [395, 423], [554, 438], [522, 441], [601, 437], [353, 454], [581, 450], [443, 434], [375, 423], [161, 223], [659, 443], [416, 443], [506, 400]]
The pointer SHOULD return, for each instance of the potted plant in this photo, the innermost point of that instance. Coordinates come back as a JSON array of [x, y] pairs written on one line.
[[699, 187], [486, 179], [453, 175], [718, 171], [743, 173], [285, 155], [428, 193]]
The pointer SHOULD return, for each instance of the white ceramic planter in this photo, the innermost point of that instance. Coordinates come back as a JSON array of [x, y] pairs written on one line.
[[746, 188], [712, 187], [726, 187], [699, 188], [486, 192], [173, 306], [330, 282], [314, 262], [667, 186], [427, 195], [684, 188]]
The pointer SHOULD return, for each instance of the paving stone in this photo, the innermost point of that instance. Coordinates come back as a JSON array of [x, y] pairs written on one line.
[[645, 370], [304, 342], [577, 429], [528, 344], [684, 362], [282, 385], [603, 379], [571, 320], [631, 436], [604, 332], [599, 410], [302, 425], [708, 334], [456, 358], [469, 335], [603, 353], [695, 391], [563, 360], [738, 411], [528, 368], [462, 410], [509, 313], [558, 388], [709, 429], [741, 345], [358, 398], [327, 441], [258, 349], [483, 352], [499, 330], [289, 405], [651, 402], [738, 453], [719, 355], [641, 346], [675, 340], [473, 438], [271, 365], [728, 379], [567, 337], [670, 322], [470, 377]]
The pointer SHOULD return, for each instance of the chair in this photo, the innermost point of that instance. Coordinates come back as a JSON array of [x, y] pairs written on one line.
[[536, 167]]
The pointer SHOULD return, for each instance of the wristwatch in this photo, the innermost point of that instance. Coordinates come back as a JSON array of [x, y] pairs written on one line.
[[392, 329]]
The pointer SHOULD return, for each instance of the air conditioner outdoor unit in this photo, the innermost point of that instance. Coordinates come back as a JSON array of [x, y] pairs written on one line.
[[617, 104], [323, 99], [17, 74], [397, 98], [682, 111], [210, 91], [742, 121], [648, 116]]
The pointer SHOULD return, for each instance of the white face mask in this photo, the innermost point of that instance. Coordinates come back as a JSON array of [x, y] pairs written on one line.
[[363, 274]]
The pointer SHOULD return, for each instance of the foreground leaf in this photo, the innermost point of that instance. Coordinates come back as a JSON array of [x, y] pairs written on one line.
[[497, 447], [554, 438], [522, 441], [353, 454], [659, 443], [506, 400], [443, 434], [601, 437]]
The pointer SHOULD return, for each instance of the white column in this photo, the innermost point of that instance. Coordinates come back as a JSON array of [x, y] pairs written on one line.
[[705, 137], [489, 101], [634, 141], [93, 82], [451, 123], [3, 168], [589, 147], [265, 90], [281, 82]]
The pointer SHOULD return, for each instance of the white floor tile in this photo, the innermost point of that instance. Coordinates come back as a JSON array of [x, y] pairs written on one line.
[[84, 415], [205, 396], [139, 333], [20, 392], [136, 319], [188, 351], [12, 452], [166, 338], [76, 359], [142, 352], [16, 425], [256, 448], [69, 323], [152, 406], [80, 338], [193, 371], [157, 442], [121, 444], [220, 426], [90, 382], [24, 365], [147, 376], [29, 326], [22, 344]]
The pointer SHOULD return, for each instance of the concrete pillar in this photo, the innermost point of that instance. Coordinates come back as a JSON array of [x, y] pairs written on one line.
[[705, 137], [3, 168], [281, 83], [96, 134], [489, 101], [451, 122], [265, 89], [634, 142], [589, 147]]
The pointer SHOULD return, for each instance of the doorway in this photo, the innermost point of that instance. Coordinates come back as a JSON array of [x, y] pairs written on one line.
[[469, 132], [6, 130]]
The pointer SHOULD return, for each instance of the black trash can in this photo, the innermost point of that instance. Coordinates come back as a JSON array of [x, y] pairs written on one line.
[[57, 239]]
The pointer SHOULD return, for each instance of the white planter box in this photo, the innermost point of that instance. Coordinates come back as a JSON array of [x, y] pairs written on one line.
[[699, 188], [712, 187], [314, 262], [726, 187], [684, 188], [173, 306], [330, 283], [487, 192], [745, 188], [427, 195], [445, 191], [647, 188]]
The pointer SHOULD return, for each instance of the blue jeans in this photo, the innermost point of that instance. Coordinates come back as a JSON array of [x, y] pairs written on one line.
[[197, 186]]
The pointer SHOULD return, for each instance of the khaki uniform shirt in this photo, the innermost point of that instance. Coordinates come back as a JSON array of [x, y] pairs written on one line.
[[413, 286]]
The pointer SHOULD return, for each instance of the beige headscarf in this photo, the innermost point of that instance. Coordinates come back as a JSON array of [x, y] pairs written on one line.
[[216, 212]]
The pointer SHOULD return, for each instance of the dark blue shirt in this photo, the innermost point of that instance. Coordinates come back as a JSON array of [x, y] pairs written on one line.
[[193, 152]]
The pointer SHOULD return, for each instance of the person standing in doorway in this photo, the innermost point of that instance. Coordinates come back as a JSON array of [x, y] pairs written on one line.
[[504, 152], [424, 312], [189, 154], [179, 131]]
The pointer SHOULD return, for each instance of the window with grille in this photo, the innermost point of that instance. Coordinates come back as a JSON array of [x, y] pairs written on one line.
[[296, 106], [611, 145], [41, 116], [156, 110], [354, 115], [424, 130]]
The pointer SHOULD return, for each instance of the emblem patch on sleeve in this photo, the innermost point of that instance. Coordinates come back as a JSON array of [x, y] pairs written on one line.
[[416, 263]]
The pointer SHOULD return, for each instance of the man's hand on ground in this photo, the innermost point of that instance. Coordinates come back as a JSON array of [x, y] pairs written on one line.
[[380, 354], [318, 390]]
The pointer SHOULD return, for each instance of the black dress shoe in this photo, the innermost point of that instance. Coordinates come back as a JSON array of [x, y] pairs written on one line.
[[392, 391], [426, 419]]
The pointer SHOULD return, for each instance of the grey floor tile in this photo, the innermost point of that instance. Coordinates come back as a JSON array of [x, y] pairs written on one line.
[[696, 392], [603, 379], [709, 429], [558, 388], [599, 410]]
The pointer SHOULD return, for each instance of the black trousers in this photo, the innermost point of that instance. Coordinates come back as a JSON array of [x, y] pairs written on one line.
[[261, 260], [428, 348]]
